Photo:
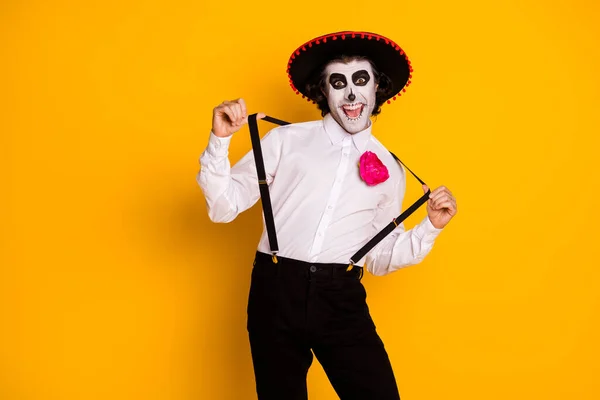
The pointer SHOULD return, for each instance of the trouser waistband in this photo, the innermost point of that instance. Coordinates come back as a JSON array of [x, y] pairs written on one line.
[[304, 268]]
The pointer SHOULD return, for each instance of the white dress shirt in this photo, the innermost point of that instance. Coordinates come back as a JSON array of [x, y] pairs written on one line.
[[323, 210]]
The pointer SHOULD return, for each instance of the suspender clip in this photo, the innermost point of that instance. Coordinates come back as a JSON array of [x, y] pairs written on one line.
[[350, 266], [274, 257]]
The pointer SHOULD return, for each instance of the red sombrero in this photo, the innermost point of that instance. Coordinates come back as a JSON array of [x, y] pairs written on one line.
[[387, 56]]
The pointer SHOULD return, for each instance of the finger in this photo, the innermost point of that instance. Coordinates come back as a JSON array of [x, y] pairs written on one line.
[[258, 116], [444, 189], [227, 103], [241, 111], [439, 193], [239, 118], [441, 199], [229, 113], [445, 204], [219, 109], [448, 205], [235, 109], [439, 189], [241, 114], [425, 189], [242, 104], [451, 209], [435, 195]]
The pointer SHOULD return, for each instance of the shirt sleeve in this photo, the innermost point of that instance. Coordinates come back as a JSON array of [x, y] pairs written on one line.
[[400, 248], [231, 190]]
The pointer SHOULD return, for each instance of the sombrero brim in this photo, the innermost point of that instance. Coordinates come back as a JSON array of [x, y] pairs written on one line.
[[385, 54]]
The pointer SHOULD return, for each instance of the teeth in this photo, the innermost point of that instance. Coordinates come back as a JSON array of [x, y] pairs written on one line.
[[352, 106]]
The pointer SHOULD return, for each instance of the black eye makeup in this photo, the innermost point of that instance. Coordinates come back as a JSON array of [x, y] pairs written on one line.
[[338, 81], [361, 78]]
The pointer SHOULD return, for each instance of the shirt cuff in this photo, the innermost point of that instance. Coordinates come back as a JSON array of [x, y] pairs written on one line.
[[426, 231], [218, 146]]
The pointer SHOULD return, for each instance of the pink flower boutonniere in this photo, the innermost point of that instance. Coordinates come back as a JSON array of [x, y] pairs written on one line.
[[372, 170]]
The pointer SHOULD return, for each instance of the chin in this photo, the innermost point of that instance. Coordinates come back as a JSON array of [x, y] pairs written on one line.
[[352, 125], [354, 128]]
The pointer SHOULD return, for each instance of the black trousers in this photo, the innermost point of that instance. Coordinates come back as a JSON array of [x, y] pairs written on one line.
[[295, 307]]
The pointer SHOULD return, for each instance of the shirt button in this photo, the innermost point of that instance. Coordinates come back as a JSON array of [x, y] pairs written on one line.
[[329, 207], [313, 268]]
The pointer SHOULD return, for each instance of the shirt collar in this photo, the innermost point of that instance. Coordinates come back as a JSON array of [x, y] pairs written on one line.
[[336, 133]]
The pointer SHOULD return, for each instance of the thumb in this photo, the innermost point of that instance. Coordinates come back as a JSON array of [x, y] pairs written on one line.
[[425, 189], [258, 116]]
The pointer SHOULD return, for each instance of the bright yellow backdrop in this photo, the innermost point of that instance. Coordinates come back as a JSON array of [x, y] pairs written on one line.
[[115, 285]]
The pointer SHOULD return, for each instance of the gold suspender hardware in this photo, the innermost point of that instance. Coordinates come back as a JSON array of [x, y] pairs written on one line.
[[350, 266], [261, 182], [394, 221], [274, 258]]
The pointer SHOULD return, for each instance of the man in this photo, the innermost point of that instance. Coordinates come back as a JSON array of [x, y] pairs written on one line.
[[325, 207]]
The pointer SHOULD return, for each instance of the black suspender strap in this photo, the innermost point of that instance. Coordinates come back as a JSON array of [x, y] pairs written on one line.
[[392, 225], [262, 181], [268, 209], [275, 120]]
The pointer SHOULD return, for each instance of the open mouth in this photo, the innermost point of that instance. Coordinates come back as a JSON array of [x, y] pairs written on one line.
[[353, 111]]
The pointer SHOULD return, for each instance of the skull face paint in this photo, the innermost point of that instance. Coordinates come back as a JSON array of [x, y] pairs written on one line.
[[350, 90]]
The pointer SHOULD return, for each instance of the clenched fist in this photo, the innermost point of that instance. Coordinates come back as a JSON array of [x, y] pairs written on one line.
[[441, 206], [229, 117]]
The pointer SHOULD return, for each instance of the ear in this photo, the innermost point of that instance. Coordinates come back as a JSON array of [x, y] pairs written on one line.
[[323, 91]]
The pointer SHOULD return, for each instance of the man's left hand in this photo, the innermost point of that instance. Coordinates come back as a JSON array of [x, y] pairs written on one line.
[[441, 206]]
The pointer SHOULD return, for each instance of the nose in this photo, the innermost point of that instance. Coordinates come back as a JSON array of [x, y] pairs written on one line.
[[351, 96]]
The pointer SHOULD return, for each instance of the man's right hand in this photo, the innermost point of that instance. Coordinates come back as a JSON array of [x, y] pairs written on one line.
[[229, 117]]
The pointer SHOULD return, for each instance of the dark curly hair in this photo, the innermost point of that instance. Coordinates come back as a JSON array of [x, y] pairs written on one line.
[[317, 81]]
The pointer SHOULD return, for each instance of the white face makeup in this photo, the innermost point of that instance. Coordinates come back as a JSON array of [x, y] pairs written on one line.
[[350, 90]]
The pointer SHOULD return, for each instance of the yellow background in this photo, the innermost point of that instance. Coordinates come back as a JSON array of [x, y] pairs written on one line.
[[115, 285]]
